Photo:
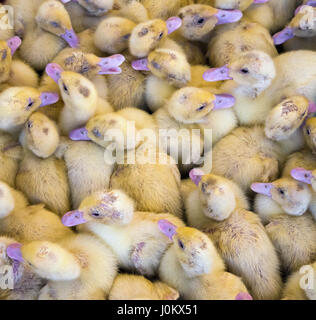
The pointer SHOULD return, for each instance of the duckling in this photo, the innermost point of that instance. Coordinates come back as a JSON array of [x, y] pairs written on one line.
[[135, 287], [18, 103], [309, 134], [149, 35], [86, 167], [44, 181], [131, 9], [11, 153], [80, 97], [282, 206], [133, 236], [26, 284], [47, 34], [230, 40], [245, 156], [217, 207], [25, 222], [293, 288], [22, 75], [194, 268], [40, 135], [199, 20], [78, 267]]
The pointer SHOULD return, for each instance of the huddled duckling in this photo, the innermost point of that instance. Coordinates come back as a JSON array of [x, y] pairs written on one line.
[[78, 267], [135, 287], [133, 236], [283, 207], [25, 222], [193, 267], [219, 208], [309, 131]]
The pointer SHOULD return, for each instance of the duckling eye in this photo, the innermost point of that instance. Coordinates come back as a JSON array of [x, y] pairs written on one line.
[[30, 104], [65, 88], [308, 131], [29, 124], [160, 35], [201, 107], [199, 20], [181, 245], [244, 70], [281, 191], [95, 214], [55, 24]]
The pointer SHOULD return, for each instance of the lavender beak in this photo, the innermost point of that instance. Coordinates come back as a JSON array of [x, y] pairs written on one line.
[[140, 65], [260, 1], [224, 101], [243, 296], [167, 228], [71, 38], [283, 36], [217, 74], [73, 218], [228, 16], [48, 98], [262, 188], [300, 174], [173, 24], [54, 71], [14, 252], [80, 134], [14, 43], [110, 65], [196, 175]]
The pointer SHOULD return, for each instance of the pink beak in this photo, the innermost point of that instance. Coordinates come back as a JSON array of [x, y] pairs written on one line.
[[224, 101], [110, 65], [217, 74], [73, 218], [14, 43], [140, 65], [54, 71], [48, 98], [303, 175], [173, 24], [167, 228], [196, 175], [262, 188], [243, 296], [228, 16]]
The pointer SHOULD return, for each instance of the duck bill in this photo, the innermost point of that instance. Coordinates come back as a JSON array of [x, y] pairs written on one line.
[[173, 24], [48, 98], [66, 1], [80, 134], [311, 107], [73, 218], [110, 65], [71, 38], [167, 228], [217, 74], [54, 71], [283, 36], [303, 175], [260, 1], [14, 252], [224, 101], [196, 175], [14, 43], [140, 65], [228, 16], [262, 188], [243, 296]]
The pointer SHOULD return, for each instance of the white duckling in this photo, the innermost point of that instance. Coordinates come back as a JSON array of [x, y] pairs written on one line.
[[133, 236]]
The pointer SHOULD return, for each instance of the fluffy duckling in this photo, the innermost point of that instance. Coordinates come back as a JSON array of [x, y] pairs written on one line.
[[194, 268], [18, 103], [293, 288], [78, 267], [47, 34], [26, 284], [10, 155], [133, 236], [282, 206], [135, 287], [40, 135], [28, 223], [80, 97], [219, 208], [86, 167], [245, 156], [309, 131], [198, 20]]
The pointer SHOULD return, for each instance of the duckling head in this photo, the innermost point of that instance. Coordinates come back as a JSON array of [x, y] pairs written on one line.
[[236, 4], [106, 207], [217, 198], [146, 36], [166, 64], [54, 18], [292, 196], [253, 69], [199, 20], [7, 49], [302, 25], [40, 135], [94, 7], [284, 119], [192, 105], [194, 250], [6, 200], [309, 131], [306, 176], [49, 260]]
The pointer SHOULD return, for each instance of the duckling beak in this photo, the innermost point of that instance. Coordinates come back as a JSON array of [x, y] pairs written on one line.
[[54, 71], [14, 251], [196, 175], [13, 44], [173, 24], [71, 38], [311, 107], [73, 218], [283, 36], [140, 64], [167, 228], [300, 174], [65, 1], [224, 101], [243, 296], [110, 65], [80, 134], [260, 1], [48, 98], [217, 74], [262, 188], [228, 16]]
